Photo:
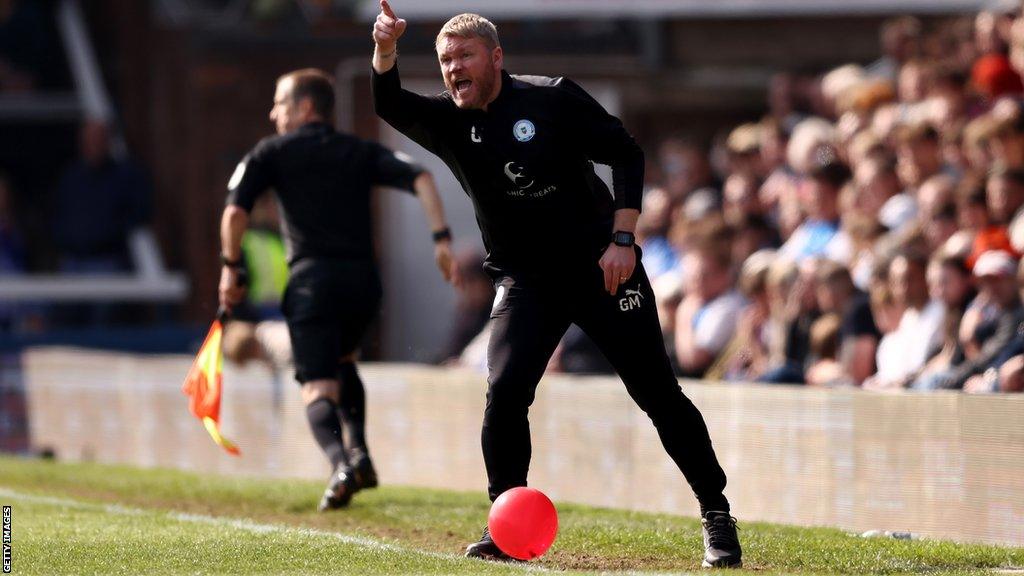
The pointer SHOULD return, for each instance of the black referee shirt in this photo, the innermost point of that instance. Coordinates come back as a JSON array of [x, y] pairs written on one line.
[[323, 180], [527, 165]]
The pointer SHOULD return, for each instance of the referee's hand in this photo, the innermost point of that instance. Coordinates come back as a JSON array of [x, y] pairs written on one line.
[[617, 263], [230, 291], [388, 28], [446, 262]]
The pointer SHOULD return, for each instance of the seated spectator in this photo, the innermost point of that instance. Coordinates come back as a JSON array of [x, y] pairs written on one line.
[[985, 335], [740, 198], [820, 194], [903, 352], [652, 228], [918, 154], [745, 358], [100, 201], [793, 302], [684, 168], [858, 335], [1006, 134], [706, 319], [937, 210], [744, 151], [876, 183], [950, 284], [825, 368], [751, 234], [1004, 193]]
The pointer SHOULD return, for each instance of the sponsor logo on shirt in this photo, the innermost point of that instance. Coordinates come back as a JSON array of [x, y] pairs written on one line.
[[524, 130], [523, 181]]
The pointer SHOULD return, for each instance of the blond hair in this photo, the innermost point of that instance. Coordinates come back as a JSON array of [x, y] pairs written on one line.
[[469, 25]]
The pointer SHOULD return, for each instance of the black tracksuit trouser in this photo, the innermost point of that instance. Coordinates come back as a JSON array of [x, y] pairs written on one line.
[[531, 315]]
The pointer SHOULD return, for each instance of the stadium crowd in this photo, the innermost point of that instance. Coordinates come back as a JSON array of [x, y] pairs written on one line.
[[866, 232]]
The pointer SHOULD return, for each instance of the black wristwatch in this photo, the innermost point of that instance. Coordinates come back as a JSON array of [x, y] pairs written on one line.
[[230, 263], [442, 234], [624, 239]]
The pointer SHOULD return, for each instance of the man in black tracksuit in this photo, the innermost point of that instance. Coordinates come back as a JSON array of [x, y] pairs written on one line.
[[559, 246], [323, 181]]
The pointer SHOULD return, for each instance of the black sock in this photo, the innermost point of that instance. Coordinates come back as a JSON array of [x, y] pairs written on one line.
[[323, 421], [352, 409]]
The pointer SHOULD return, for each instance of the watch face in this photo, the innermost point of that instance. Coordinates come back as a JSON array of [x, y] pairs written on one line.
[[623, 239]]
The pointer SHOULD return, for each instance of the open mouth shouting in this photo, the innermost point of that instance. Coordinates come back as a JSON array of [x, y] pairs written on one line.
[[461, 87]]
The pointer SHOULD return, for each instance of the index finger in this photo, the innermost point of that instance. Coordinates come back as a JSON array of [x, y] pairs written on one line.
[[386, 8]]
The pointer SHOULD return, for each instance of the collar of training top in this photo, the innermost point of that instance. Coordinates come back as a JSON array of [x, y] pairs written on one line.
[[316, 126]]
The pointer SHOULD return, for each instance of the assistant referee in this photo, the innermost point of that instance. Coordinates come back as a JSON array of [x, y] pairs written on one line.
[[323, 181], [560, 247]]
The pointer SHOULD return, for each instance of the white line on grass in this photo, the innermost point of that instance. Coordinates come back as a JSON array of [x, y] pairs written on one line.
[[246, 525]]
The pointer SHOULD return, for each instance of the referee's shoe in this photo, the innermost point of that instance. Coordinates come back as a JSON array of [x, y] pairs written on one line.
[[721, 543], [339, 491]]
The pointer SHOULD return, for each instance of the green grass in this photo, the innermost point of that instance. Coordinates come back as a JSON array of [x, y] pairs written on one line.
[[94, 519]]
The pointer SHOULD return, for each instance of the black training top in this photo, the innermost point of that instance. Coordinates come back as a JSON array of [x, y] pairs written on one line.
[[527, 165], [323, 180]]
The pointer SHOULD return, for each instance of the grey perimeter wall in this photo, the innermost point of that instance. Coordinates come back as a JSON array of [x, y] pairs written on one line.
[[941, 465]]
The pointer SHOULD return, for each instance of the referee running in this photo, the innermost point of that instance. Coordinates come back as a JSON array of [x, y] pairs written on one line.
[[559, 247], [323, 180]]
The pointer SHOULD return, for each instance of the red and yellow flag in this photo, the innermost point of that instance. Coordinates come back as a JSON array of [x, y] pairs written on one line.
[[203, 386]]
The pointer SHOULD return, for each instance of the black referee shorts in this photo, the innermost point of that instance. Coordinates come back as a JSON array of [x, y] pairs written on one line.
[[328, 306]]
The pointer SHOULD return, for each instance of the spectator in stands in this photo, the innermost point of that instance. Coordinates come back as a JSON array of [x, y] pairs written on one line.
[[903, 352], [652, 228], [706, 319], [820, 195], [825, 368], [950, 284], [876, 184], [900, 38], [100, 200], [1005, 132], [793, 300], [745, 358], [685, 167], [918, 155], [740, 197], [858, 335], [987, 332], [1004, 192]]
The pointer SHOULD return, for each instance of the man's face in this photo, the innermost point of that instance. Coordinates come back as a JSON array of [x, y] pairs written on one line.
[[470, 70], [286, 113], [1004, 198], [1001, 288]]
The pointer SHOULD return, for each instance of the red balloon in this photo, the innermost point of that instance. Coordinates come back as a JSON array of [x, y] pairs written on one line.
[[523, 523]]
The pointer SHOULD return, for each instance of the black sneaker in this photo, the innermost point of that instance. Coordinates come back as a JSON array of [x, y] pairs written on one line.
[[721, 543], [339, 491], [486, 549], [365, 475]]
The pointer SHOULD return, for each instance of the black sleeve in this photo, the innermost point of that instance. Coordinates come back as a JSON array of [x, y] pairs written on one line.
[[990, 351], [860, 321], [395, 169], [605, 141], [251, 178], [418, 117]]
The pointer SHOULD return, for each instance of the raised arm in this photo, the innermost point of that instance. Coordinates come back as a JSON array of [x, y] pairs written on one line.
[[386, 31], [414, 115]]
